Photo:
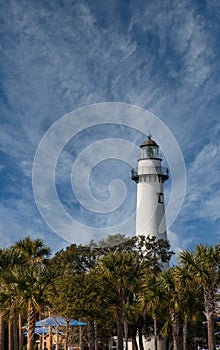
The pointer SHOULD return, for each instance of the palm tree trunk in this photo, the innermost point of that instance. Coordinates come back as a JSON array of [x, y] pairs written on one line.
[[31, 327], [210, 328], [2, 333], [140, 339], [175, 328], [155, 332], [209, 312], [91, 336], [96, 335], [120, 328], [126, 334], [15, 331], [185, 325], [10, 336], [134, 339], [20, 332]]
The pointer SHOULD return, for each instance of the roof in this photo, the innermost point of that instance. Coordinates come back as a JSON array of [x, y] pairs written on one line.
[[149, 142]]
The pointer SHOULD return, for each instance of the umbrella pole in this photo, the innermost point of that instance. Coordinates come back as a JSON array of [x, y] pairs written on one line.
[[80, 338], [50, 338], [56, 338], [42, 341]]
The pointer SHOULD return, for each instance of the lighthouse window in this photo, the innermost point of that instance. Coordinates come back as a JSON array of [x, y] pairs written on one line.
[[150, 152], [160, 197]]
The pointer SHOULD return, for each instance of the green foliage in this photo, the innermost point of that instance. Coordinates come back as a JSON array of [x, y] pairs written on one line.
[[120, 278], [203, 267]]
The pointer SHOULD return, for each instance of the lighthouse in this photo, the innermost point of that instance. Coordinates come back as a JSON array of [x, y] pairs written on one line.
[[150, 176]]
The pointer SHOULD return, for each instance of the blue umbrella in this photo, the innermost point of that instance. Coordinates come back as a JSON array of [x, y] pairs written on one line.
[[50, 322], [76, 323], [41, 330], [58, 321]]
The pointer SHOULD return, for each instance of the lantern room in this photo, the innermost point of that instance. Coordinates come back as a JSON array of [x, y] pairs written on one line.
[[149, 149]]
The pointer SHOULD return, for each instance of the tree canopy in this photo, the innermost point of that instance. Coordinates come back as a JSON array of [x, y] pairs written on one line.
[[118, 286]]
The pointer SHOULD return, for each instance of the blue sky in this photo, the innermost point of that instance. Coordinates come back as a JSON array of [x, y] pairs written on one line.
[[59, 56]]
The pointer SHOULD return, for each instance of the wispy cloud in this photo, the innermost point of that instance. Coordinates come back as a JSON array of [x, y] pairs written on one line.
[[203, 184], [162, 56]]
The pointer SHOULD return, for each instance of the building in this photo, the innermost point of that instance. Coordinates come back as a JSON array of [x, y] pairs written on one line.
[[150, 176]]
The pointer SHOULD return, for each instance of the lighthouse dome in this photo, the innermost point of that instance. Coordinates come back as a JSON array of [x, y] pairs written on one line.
[[149, 142]]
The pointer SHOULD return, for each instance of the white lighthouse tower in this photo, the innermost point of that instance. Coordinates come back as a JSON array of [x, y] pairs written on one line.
[[150, 177], [150, 212]]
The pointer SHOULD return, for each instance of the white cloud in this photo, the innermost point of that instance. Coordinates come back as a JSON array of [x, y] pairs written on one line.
[[179, 243], [156, 55], [202, 200]]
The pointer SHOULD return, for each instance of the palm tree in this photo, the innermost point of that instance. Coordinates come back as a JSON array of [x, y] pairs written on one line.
[[1, 332], [32, 250], [21, 268], [24, 287], [153, 299], [2, 267], [190, 299], [172, 300], [121, 271], [203, 266], [8, 259]]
